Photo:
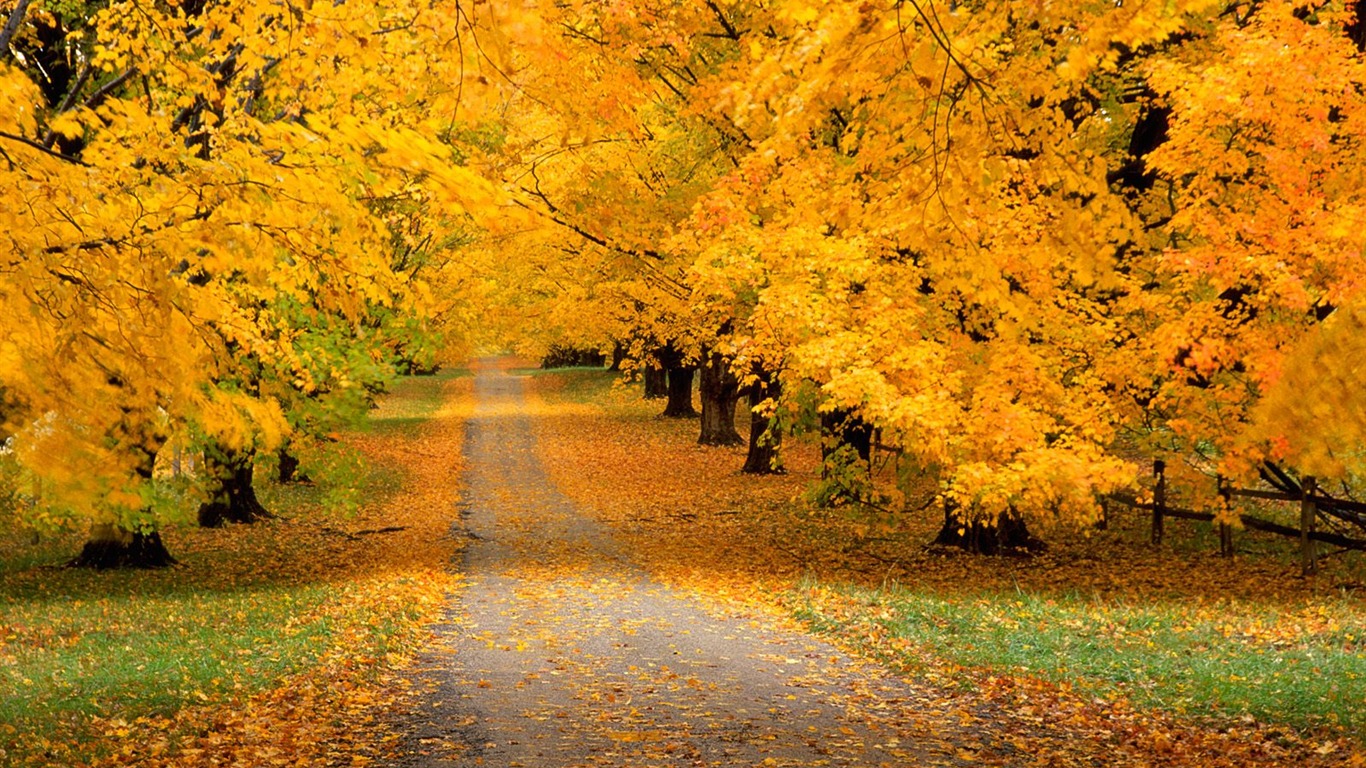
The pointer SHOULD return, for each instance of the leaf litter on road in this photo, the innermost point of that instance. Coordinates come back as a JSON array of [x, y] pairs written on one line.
[[750, 548]]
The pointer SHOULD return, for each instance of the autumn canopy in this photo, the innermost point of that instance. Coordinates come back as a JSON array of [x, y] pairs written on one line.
[[1023, 246]]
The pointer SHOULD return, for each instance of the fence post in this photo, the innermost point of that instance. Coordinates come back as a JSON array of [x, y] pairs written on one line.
[[1225, 530], [1309, 513], [1159, 499]]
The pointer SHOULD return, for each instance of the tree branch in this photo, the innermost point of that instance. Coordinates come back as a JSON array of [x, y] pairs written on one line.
[[45, 150], [88, 245], [725, 23], [50, 136], [102, 93], [16, 17], [91, 101], [645, 257]]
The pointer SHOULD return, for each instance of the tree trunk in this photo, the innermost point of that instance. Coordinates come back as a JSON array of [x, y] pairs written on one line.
[[566, 356], [764, 442], [846, 453], [288, 465], [8, 407], [718, 390], [656, 382], [680, 394], [841, 427], [232, 499], [1008, 535], [415, 362], [618, 356], [111, 546]]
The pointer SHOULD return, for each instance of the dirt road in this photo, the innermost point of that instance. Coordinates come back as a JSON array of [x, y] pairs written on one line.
[[561, 653]]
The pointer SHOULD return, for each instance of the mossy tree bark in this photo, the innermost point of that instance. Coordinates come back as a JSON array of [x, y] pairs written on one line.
[[765, 441], [113, 546], [232, 497]]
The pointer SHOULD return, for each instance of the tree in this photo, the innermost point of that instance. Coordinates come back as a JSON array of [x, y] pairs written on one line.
[[157, 225], [1009, 237], [1015, 240], [915, 290], [611, 167], [1259, 166], [765, 439], [719, 390]]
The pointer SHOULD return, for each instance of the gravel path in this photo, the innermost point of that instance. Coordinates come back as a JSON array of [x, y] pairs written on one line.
[[561, 653]]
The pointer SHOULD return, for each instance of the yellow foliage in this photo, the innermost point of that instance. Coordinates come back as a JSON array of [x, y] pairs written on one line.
[[1313, 417], [166, 233]]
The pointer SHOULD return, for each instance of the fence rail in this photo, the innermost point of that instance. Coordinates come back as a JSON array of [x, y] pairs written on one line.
[[1311, 502]]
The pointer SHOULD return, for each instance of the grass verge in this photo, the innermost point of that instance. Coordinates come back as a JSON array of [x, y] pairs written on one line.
[[1302, 665], [268, 638]]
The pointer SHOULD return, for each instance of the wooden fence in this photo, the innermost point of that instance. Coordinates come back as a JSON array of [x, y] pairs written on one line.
[[1315, 508]]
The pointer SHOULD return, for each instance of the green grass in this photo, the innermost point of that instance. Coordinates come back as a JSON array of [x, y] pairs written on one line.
[[592, 385], [1304, 667], [77, 645], [247, 607], [411, 401], [1152, 628], [141, 646], [577, 370], [1297, 661]]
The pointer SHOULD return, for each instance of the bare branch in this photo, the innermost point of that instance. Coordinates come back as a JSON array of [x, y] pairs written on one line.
[[725, 23]]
